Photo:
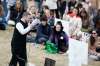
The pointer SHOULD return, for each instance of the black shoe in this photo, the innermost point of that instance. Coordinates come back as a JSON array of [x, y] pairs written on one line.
[[2, 27]]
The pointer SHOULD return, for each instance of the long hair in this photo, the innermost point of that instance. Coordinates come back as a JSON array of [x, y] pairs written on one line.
[[1, 10], [58, 23], [19, 6], [92, 40], [86, 14]]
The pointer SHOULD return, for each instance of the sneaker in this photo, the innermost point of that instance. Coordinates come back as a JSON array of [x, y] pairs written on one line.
[[11, 22]]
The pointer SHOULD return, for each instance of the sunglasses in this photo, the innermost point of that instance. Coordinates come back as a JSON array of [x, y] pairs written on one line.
[[94, 33]]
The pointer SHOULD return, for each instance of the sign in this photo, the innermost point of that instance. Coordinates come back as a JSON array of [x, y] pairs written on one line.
[[77, 53]]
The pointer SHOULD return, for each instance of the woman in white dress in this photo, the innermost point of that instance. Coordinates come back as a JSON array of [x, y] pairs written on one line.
[[75, 23]]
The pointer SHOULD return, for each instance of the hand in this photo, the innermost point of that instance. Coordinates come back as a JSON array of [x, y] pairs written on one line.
[[29, 23], [73, 36], [35, 22]]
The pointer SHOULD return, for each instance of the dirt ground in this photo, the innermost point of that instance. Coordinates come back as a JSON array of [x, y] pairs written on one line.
[[36, 54]]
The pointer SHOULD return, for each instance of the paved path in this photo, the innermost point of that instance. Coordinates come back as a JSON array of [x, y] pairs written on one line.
[[36, 54]]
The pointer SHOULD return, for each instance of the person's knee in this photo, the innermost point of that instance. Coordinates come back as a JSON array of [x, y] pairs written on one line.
[[42, 40]]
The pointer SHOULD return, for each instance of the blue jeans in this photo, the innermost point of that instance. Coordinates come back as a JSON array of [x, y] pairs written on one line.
[[41, 40], [4, 3]]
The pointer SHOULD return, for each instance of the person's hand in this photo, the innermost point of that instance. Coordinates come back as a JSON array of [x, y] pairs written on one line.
[[73, 36], [35, 22], [29, 23]]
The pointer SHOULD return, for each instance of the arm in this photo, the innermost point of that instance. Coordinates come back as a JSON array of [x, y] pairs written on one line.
[[35, 22], [21, 29], [66, 17]]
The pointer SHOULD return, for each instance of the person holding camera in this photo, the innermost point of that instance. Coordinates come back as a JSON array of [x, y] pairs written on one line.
[[18, 43]]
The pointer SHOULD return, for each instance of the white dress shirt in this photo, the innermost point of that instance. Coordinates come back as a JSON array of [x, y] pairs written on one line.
[[23, 30]]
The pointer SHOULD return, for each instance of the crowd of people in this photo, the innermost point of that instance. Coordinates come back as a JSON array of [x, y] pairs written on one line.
[[80, 14]]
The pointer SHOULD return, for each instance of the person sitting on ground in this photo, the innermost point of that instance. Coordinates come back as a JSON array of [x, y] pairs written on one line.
[[59, 38], [94, 47], [2, 19], [43, 31]]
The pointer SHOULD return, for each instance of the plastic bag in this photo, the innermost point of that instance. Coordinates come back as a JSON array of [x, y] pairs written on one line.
[[51, 47]]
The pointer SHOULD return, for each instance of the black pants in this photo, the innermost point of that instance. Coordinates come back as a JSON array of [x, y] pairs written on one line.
[[55, 11], [18, 56], [62, 46]]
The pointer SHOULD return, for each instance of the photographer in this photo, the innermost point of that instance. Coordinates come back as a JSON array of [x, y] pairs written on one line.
[[18, 43]]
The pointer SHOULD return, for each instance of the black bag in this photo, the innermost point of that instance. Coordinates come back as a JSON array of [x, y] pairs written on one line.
[[49, 62]]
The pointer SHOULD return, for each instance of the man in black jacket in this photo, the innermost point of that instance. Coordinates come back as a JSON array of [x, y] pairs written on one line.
[[43, 31], [18, 43]]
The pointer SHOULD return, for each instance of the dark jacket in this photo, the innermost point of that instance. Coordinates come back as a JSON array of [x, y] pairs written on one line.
[[55, 37], [19, 40], [96, 19], [43, 31], [60, 39]]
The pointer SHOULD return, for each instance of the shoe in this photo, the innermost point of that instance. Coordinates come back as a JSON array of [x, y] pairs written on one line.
[[65, 54], [2, 27], [61, 52]]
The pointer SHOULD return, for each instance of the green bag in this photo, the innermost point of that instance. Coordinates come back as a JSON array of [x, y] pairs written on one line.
[[51, 48]]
